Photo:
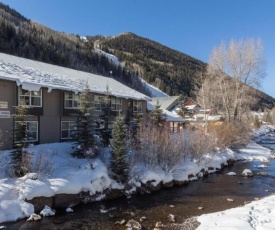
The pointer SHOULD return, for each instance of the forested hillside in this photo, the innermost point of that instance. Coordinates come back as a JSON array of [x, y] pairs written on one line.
[[171, 71], [22, 37]]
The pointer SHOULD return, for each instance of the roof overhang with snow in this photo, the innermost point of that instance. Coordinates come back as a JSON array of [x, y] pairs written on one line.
[[33, 75], [170, 116]]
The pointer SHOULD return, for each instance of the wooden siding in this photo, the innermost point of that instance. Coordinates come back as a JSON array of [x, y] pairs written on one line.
[[7, 95], [50, 121], [49, 116]]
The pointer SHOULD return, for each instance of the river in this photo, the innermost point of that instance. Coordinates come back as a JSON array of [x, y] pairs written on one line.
[[210, 194]]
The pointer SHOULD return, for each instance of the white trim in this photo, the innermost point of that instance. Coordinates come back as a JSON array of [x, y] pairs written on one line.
[[30, 97], [74, 99]]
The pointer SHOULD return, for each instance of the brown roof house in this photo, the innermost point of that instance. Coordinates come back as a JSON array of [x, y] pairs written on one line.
[[51, 94]]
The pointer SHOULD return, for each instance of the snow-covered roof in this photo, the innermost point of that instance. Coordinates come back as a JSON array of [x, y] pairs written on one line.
[[190, 107], [170, 116], [33, 75], [165, 102]]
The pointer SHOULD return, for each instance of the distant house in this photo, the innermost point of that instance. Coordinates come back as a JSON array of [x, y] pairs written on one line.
[[192, 106], [174, 121], [51, 94], [167, 103]]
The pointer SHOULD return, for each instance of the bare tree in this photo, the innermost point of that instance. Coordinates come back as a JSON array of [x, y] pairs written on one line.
[[205, 95], [243, 61]]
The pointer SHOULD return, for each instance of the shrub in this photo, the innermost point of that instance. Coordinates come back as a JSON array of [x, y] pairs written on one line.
[[159, 147], [199, 143], [231, 135]]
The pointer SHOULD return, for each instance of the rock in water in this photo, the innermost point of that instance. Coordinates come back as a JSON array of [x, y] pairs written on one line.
[[47, 211], [231, 174], [121, 222], [247, 172], [142, 219], [171, 217], [34, 217], [133, 225]]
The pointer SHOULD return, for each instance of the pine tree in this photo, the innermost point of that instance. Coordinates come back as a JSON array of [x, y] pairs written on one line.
[[157, 116], [118, 159], [106, 131], [135, 126], [84, 135], [19, 156]]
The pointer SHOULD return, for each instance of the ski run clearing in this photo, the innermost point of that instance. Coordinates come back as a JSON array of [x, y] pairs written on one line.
[[55, 171]]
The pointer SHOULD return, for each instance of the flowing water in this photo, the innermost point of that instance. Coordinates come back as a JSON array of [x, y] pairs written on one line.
[[210, 194]]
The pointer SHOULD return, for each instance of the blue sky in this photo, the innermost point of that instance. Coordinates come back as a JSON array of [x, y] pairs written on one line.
[[193, 27]]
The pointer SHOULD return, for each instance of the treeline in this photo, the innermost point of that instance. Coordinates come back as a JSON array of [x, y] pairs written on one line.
[[24, 38], [171, 71]]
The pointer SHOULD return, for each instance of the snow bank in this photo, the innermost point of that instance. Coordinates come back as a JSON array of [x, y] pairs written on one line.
[[11, 210], [254, 152], [256, 215], [70, 176]]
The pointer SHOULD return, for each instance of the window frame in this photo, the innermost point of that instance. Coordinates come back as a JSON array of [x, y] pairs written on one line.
[[75, 98], [117, 105], [137, 106], [30, 95], [69, 130], [36, 131], [99, 102]]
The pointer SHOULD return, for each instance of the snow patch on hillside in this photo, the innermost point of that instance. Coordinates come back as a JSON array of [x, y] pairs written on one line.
[[155, 92], [111, 57]]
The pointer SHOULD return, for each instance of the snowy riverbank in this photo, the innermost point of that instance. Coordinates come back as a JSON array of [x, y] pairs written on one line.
[[256, 215], [57, 172]]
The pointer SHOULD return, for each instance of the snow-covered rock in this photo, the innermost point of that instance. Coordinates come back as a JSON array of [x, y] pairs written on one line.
[[69, 209], [47, 211], [133, 225], [247, 172], [34, 217]]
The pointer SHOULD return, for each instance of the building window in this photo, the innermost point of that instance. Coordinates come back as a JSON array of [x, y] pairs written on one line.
[[31, 98], [68, 129], [31, 131], [137, 106], [99, 102], [71, 100], [116, 104]]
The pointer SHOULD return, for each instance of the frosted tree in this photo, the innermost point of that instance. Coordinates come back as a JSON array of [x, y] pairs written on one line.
[[157, 116], [20, 159], [118, 158], [85, 145]]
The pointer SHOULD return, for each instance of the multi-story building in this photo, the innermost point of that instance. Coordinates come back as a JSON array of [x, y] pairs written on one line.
[[51, 94]]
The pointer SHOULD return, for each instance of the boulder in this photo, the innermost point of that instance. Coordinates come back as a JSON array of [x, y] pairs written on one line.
[[66, 200], [133, 225], [247, 172], [40, 202]]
